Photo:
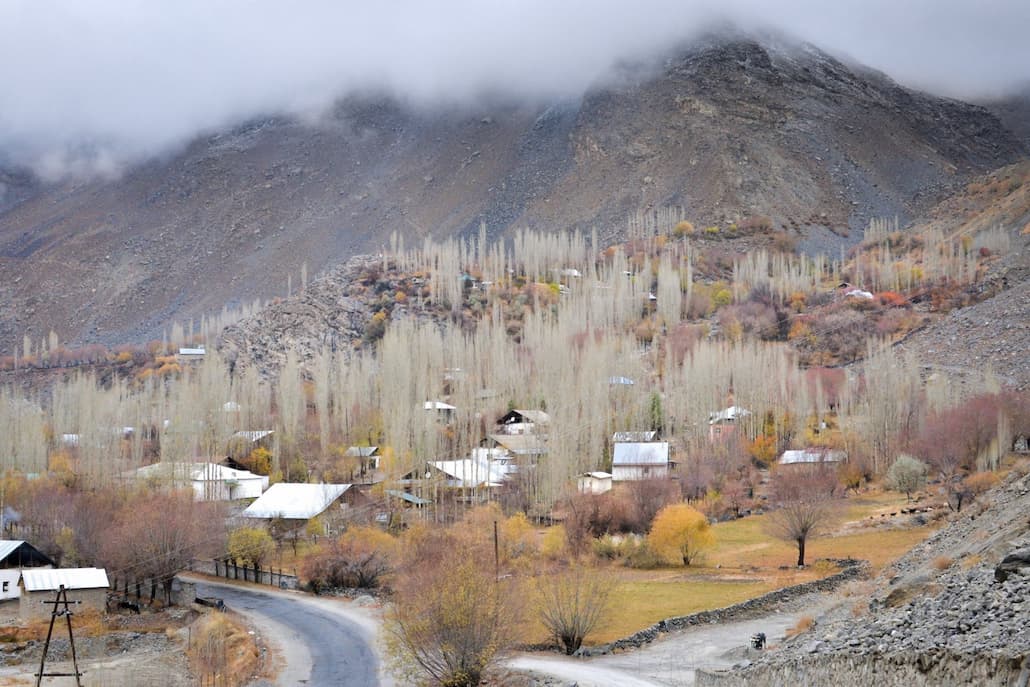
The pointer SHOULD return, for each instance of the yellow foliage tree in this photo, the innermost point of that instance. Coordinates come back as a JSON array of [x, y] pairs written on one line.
[[680, 533], [251, 546]]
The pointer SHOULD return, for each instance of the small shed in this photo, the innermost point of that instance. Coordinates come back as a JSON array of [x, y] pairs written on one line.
[[15, 555], [595, 482], [88, 586], [640, 460]]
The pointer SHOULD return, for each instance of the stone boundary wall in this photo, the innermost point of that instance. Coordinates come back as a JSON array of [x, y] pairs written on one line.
[[882, 670], [850, 570]]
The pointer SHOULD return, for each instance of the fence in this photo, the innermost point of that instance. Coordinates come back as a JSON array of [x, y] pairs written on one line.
[[227, 568]]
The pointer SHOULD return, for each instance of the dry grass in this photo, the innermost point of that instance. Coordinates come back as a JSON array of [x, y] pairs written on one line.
[[942, 562], [804, 624], [222, 651], [971, 561]]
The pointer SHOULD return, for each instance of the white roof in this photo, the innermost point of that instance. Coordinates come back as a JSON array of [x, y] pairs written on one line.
[[295, 501], [472, 473], [438, 405], [253, 435], [811, 455], [859, 293], [46, 580], [619, 380], [192, 351], [230, 406], [535, 416], [598, 475], [210, 472], [632, 437], [641, 453], [361, 451], [731, 414], [7, 546]]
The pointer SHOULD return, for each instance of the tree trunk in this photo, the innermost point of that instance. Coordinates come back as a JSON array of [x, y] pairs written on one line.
[[801, 552]]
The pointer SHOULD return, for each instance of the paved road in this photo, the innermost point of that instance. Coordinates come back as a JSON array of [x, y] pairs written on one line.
[[320, 646]]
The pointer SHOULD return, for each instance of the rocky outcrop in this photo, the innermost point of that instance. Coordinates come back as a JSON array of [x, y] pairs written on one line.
[[958, 621]]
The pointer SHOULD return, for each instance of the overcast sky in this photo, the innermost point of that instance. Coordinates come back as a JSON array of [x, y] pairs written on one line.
[[86, 85]]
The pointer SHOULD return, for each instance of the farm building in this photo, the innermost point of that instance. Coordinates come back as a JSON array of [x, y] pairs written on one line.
[[15, 555], [296, 501], [88, 586], [640, 460], [209, 481]]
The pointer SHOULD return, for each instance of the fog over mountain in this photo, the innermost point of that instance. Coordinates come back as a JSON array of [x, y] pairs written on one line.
[[88, 87]]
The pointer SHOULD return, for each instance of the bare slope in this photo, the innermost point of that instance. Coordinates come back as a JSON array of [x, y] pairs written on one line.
[[726, 130]]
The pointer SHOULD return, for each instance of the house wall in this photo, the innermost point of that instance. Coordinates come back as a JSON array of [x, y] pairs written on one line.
[[589, 485], [629, 473], [31, 606], [9, 588], [221, 491]]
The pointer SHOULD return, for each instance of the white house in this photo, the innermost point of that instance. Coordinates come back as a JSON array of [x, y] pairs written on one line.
[[16, 554], [595, 482], [469, 473], [209, 481], [87, 586], [640, 460], [295, 501]]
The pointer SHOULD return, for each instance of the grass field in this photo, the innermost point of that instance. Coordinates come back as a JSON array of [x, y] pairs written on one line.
[[746, 562]]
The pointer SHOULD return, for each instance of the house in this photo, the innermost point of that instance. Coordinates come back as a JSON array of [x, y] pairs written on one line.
[[634, 437], [812, 456], [723, 423], [368, 456], [521, 445], [595, 482], [15, 555], [295, 501], [87, 586], [209, 481], [523, 422], [469, 473], [444, 411], [640, 460]]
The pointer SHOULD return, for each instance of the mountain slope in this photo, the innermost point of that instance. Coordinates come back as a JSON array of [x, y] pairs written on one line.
[[726, 130]]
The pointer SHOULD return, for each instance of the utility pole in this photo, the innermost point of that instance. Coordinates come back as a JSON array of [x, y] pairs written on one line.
[[61, 599]]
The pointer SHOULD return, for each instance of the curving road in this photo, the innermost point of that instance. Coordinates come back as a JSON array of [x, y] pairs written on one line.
[[321, 643]]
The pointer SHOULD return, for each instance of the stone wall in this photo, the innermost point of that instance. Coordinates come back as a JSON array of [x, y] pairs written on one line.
[[890, 670], [850, 569]]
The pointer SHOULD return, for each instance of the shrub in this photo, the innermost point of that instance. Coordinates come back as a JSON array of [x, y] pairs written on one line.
[[980, 482], [643, 557], [572, 604], [361, 559], [804, 624], [906, 474], [942, 562], [683, 228]]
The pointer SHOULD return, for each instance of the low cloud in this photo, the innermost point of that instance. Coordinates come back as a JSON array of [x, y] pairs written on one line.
[[87, 86]]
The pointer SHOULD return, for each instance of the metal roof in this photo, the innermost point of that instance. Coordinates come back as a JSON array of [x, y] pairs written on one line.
[[253, 435], [598, 475], [731, 414], [535, 416], [438, 405], [641, 453], [521, 444], [46, 579], [472, 473], [361, 451], [410, 498], [634, 437], [620, 381], [295, 501], [809, 455], [198, 472]]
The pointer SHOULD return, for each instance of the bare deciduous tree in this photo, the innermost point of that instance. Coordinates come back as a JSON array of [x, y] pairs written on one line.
[[572, 603]]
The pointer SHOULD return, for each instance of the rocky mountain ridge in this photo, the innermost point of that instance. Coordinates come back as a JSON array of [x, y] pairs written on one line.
[[725, 130]]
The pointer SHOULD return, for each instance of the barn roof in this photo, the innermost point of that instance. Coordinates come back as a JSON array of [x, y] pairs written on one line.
[[810, 455], [16, 553]]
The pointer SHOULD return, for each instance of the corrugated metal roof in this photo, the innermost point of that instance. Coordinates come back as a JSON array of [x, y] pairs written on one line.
[[198, 472], [46, 579], [410, 498], [295, 501], [634, 437], [8, 546], [438, 405], [253, 435], [795, 457], [731, 414], [472, 473], [361, 451], [641, 453], [521, 444]]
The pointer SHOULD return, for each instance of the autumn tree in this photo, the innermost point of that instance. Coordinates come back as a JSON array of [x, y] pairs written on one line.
[[906, 474], [680, 533], [572, 603], [805, 506], [360, 558], [251, 546], [451, 618]]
